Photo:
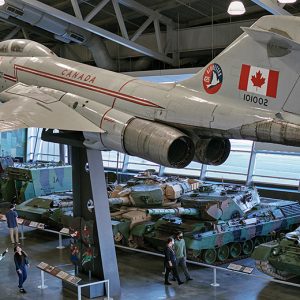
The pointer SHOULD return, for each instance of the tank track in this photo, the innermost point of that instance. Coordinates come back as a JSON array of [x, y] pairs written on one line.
[[219, 263], [265, 267]]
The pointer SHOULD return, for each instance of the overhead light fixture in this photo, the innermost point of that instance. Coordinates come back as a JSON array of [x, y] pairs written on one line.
[[2, 2], [236, 8], [286, 1]]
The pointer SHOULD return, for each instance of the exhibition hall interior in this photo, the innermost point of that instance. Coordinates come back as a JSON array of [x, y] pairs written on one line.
[[150, 149]]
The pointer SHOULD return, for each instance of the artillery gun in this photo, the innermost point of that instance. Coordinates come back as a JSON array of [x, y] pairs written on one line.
[[280, 258], [29, 180], [220, 223]]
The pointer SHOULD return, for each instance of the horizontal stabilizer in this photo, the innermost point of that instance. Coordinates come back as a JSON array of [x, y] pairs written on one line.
[[272, 38]]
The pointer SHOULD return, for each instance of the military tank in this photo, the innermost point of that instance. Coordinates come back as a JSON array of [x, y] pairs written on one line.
[[54, 210], [280, 258], [128, 203], [220, 223]]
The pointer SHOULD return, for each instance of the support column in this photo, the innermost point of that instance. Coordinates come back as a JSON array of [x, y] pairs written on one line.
[[91, 217], [89, 185], [103, 221]]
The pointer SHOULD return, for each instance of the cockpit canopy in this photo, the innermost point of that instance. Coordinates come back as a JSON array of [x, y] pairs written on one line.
[[24, 48]]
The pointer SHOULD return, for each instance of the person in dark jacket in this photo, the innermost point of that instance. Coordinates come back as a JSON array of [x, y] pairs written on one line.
[[170, 262], [12, 224], [21, 262]]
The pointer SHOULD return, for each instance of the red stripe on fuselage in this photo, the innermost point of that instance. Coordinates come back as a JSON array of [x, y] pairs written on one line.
[[8, 77], [94, 88]]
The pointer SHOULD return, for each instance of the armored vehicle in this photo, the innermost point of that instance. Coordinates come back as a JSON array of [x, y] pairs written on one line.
[[280, 258], [26, 181], [219, 222], [52, 210], [128, 203], [148, 190]]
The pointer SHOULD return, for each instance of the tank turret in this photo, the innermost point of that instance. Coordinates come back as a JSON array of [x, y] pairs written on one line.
[[48, 210], [148, 190]]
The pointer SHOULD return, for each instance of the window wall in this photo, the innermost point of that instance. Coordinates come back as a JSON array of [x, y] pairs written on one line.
[[12, 143], [43, 151]]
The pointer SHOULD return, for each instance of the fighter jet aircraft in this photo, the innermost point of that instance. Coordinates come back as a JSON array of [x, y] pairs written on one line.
[[250, 91]]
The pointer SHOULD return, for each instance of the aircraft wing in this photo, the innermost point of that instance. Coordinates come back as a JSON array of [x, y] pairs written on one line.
[[24, 106]]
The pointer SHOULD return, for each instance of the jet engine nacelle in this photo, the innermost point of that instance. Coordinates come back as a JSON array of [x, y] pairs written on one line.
[[122, 132], [212, 151], [159, 143]]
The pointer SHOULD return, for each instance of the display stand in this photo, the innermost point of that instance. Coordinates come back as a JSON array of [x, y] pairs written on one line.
[[89, 185]]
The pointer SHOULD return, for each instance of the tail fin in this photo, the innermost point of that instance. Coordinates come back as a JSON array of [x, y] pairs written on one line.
[[261, 67]]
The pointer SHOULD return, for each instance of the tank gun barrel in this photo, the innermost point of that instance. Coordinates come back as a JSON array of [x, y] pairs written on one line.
[[173, 211], [119, 201], [65, 204]]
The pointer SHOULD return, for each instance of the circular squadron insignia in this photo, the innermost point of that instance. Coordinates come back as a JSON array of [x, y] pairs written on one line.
[[212, 78]]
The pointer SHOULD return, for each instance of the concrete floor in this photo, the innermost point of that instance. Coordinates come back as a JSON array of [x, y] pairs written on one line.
[[141, 276]]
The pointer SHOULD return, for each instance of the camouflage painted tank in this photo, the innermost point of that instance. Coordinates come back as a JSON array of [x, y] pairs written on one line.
[[219, 222], [55, 210], [129, 203], [280, 258]]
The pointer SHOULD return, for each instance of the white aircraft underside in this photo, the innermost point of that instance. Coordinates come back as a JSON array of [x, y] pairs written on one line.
[[250, 91]]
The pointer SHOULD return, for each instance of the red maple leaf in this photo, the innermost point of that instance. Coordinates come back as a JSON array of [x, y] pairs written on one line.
[[258, 80]]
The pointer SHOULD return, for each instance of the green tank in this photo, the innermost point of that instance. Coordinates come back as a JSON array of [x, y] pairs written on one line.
[[219, 222], [128, 203], [280, 258], [54, 210]]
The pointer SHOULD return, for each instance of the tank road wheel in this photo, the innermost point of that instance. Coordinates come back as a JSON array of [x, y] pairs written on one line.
[[223, 253], [194, 254], [118, 237], [235, 250], [132, 243], [209, 256], [247, 247]]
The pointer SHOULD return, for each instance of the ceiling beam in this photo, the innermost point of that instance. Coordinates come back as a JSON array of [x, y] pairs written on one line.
[[96, 10], [12, 33], [59, 16], [76, 9], [272, 7]]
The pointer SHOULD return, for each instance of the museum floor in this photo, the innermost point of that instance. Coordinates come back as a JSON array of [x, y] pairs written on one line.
[[141, 276]]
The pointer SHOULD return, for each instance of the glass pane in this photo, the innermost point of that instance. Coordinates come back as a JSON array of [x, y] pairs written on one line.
[[241, 145], [276, 165], [139, 164], [214, 175], [110, 159], [142, 167], [112, 155], [182, 172], [112, 164], [287, 182], [12, 143], [193, 169], [237, 162]]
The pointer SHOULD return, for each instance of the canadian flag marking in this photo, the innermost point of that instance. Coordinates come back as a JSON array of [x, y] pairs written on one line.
[[259, 80]]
